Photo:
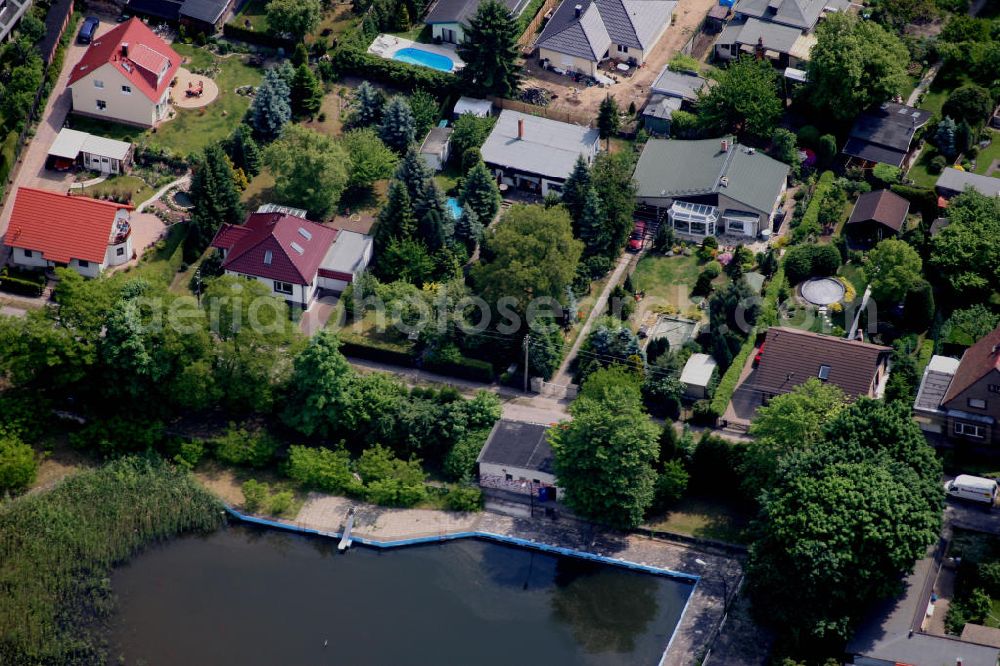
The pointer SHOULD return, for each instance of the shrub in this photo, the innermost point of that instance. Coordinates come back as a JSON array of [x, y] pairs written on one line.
[[18, 465], [253, 448], [670, 486], [254, 495], [464, 498], [320, 468], [280, 503], [705, 413], [189, 454], [460, 462], [809, 136], [462, 367], [727, 385], [937, 164]]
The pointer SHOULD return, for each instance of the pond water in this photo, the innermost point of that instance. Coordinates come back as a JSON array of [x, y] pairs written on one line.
[[250, 596]]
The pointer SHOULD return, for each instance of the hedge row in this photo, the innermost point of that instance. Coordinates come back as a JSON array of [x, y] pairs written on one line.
[[810, 220], [398, 74], [240, 33], [373, 350], [727, 385], [769, 310], [8, 155], [923, 200], [16, 285], [464, 368]]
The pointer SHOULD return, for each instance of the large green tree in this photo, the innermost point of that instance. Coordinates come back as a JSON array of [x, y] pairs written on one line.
[[215, 197], [398, 128], [744, 100], [310, 169], [608, 117], [854, 65], [271, 107], [966, 253], [575, 189], [893, 268], [244, 151], [296, 18], [611, 178], [479, 191], [369, 102], [370, 159], [306, 92], [604, 457], [320, 388], [530, 253], [490, 51]]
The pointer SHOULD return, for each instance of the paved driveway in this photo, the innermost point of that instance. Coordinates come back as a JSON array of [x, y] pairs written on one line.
[[32, 171]]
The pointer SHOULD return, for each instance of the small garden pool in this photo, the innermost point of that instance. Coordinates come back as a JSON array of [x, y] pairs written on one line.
[[416, 56], [454, 207]]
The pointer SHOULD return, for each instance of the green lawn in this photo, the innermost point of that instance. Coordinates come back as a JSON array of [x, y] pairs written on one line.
[[191, 130], [253, 11], [135, 187], [919, 172], [988, 154], [707, 518], [666, 280]]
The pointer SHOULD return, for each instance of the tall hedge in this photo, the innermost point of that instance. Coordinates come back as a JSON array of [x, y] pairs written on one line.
[[348, 60]]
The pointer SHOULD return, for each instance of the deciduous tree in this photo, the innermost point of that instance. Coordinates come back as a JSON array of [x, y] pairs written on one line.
[[320, 387], [310, 169], [370, 159], [745, 100], [893, 267], [295, 18]]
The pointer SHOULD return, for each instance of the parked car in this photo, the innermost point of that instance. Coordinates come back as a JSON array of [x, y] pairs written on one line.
[[973, 488], [638, 235], [88, 30]]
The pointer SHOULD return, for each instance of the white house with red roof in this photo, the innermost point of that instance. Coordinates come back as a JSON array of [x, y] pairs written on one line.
[[50, 229], [293, 256], [125, 76]]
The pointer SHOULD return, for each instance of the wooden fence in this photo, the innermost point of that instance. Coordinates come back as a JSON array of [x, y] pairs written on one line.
[[544, 112], [528, 36]]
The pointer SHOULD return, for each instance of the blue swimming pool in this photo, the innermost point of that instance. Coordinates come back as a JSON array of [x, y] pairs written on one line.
[[425, 58], [454, 207]]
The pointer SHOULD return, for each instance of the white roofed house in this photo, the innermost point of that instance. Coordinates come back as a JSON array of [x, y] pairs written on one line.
[[536, 154], [583, 33]]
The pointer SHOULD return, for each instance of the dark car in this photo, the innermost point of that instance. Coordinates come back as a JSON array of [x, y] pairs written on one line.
[[87, 30], [638, 234]]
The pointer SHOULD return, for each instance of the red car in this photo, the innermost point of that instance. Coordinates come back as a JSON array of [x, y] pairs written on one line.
[[638, 234]]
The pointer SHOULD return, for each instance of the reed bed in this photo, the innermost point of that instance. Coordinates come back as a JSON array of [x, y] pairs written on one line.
[[57, 550]]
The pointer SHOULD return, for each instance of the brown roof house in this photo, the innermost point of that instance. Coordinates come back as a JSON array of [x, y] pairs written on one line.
[[789, 357], [876, 215], [961, 399]]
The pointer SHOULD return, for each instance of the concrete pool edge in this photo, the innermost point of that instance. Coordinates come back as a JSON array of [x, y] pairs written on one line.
[[498, 538]]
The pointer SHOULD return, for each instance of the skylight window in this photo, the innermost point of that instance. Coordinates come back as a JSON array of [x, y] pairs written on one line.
[[298, 248], [305, 234], [268, 257], [824, 372]]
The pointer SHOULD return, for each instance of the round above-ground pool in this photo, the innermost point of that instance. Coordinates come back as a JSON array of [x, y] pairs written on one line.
[[426, 58], [823, 291]]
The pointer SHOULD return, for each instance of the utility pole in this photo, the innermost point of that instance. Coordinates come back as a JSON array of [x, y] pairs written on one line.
[[526, 342]]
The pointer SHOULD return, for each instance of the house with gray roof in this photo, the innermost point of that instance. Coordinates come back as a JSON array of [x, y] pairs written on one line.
[[517, 458], [536, 154], [448, 18], [709, 187], [953, 182], [779, 30], [884, 134], [670, 92], [583, 33]]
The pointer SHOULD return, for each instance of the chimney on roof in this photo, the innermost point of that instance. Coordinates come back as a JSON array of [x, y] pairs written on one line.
[[725, 146], [124, 49], [520, 128], [578, 9]]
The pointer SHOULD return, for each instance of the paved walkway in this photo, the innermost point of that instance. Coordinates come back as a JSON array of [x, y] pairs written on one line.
[[924, 84], [562, 376], [89, 183], [183, 180], [315, 318], [720, 573]]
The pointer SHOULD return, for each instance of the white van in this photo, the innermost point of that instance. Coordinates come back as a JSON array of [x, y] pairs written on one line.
[[973, 488]]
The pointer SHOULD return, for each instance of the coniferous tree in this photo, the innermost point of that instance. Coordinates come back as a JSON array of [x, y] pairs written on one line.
[[271, 107], [433, 231], [369, 103], [424, 193], [608, 118], [468, 228], [244, 151], [591, 224], [396, 217], [216, 199], [397, 129], [944, 137], [575, 189], [307, 93], [479, 191], [490, 51]]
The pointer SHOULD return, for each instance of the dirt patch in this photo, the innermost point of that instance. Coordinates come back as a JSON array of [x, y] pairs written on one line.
[[573, 98], [58, 463]]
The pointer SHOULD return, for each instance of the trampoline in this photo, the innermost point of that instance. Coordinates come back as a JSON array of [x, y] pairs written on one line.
[[822, 291]]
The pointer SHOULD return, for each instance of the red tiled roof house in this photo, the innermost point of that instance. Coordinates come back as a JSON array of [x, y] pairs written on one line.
[[125, 76], [961, 399], [50, 229], [295, 257]]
